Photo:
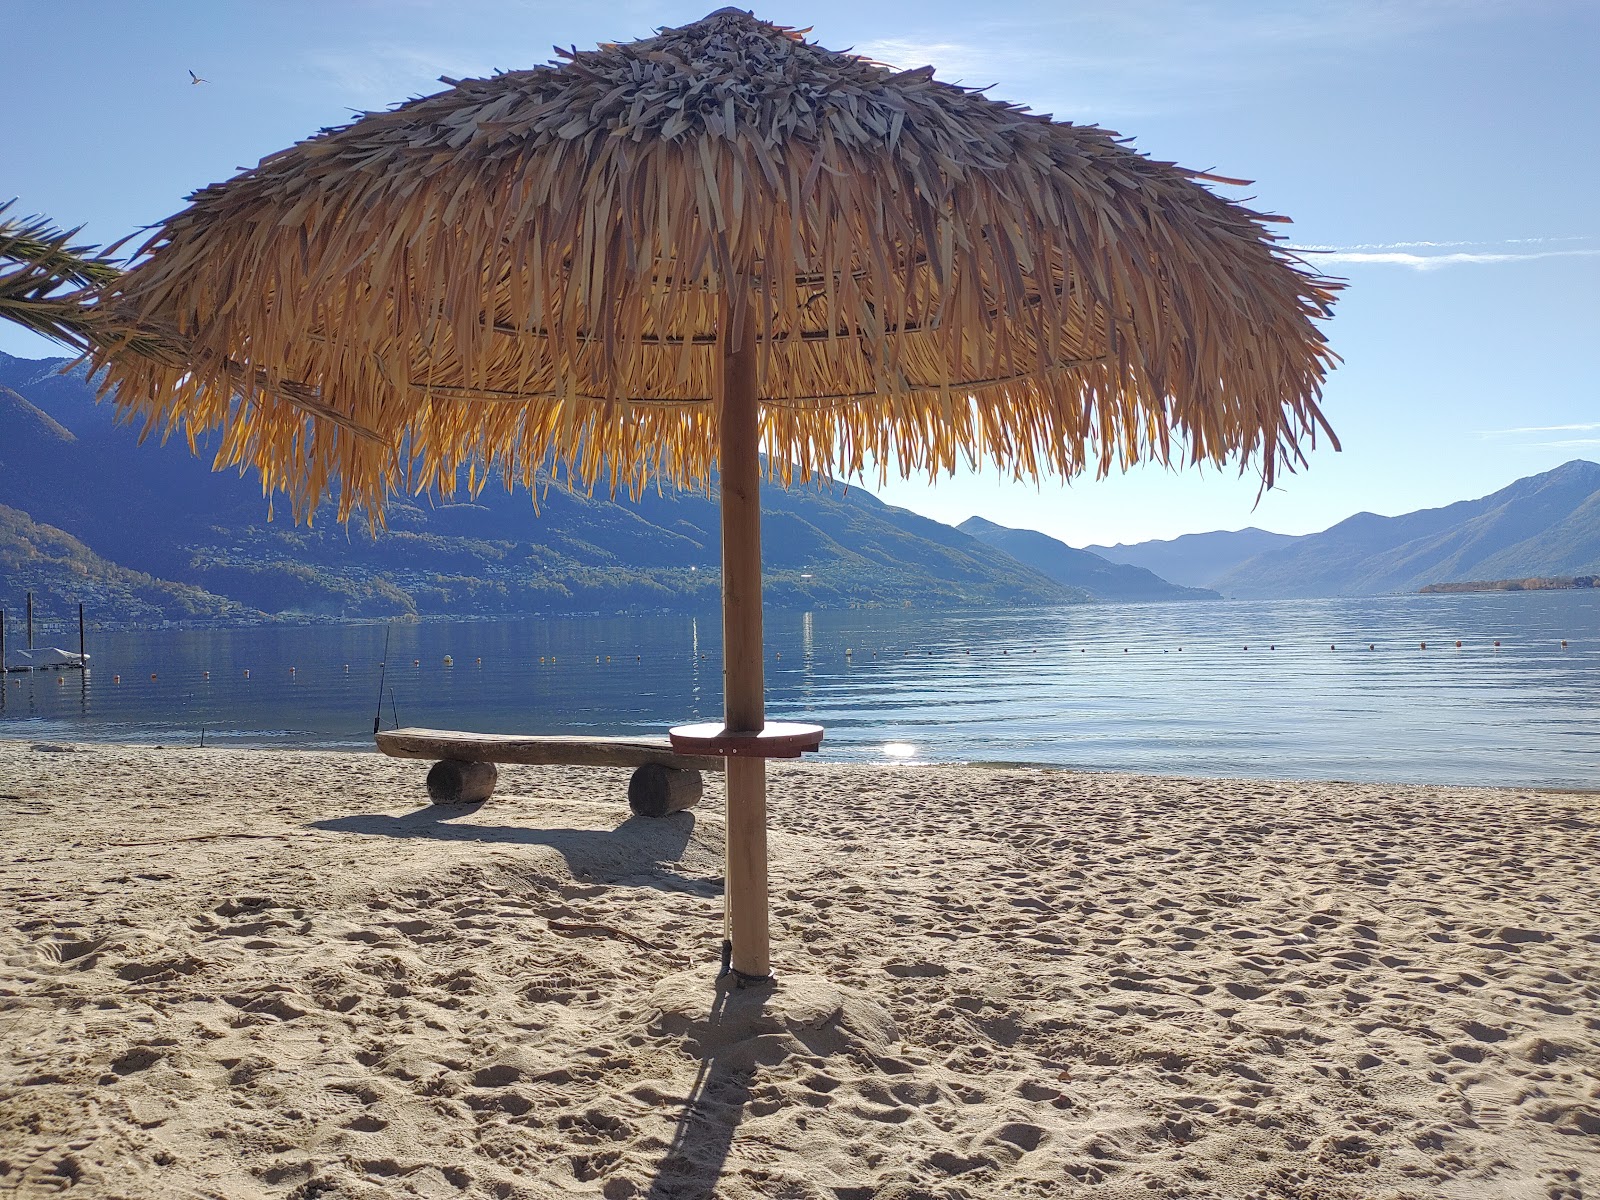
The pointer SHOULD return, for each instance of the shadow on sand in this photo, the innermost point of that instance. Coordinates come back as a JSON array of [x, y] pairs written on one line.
[[639, 850], [693, 1163]]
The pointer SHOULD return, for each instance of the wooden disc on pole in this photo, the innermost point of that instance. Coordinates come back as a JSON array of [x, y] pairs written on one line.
[[744, 705]]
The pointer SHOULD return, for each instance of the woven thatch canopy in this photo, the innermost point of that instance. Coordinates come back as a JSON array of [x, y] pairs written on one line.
[[532, 270]]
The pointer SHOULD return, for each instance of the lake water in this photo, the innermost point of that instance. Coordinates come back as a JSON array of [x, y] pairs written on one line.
[[1282, 689]]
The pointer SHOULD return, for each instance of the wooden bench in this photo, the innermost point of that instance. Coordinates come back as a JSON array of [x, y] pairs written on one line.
[[464, 770]]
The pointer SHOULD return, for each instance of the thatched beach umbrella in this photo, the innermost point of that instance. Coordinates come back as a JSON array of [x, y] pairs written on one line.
[[656, 260]]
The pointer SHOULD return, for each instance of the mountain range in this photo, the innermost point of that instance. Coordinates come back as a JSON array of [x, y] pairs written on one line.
[[1542, 525], [1195, 559], [149, 532], [1547, 524], [1081, 568]]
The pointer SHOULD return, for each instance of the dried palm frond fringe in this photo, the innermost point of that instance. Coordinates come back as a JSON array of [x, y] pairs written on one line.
[[534, 270]]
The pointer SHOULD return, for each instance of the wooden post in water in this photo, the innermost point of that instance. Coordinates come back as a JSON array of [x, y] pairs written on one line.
[[744, 706], [30, 620], [2, 645], [82, 658]]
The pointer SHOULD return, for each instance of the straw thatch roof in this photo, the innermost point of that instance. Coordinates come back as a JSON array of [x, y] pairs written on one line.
[[531, 270]]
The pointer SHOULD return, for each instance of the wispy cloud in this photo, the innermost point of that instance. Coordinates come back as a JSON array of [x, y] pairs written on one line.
[[1586, 428], [1403, 254], [1533, 442], [382, 74], [1527, 241], [1432, 262], [1113, 58]]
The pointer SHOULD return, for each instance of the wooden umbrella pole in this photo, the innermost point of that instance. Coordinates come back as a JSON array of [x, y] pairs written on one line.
[[744, 704]]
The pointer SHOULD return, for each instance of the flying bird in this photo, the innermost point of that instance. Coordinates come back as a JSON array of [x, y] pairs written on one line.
[[193, 79]]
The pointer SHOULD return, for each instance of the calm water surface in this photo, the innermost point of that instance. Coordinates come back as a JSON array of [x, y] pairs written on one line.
[[1282, 689]]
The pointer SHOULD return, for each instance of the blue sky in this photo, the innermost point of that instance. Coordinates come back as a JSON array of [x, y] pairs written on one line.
[[1447, 152]]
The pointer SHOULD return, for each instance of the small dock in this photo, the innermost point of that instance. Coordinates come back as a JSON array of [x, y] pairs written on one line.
[[43, 658]]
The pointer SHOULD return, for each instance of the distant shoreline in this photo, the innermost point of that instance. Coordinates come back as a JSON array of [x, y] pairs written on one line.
[[1533, 584]]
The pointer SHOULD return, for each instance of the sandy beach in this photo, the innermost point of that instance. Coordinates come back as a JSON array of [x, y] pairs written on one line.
[[251, 973]]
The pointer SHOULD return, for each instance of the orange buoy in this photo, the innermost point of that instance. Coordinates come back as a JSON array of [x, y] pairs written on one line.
[[247, 672], [416, 662], [114, 679], [205, 674], [1497, 643], [152, 674], [1458, 643], [1424, 645], [60, 679], [1372, 646], [1563, 643], [292, 670]]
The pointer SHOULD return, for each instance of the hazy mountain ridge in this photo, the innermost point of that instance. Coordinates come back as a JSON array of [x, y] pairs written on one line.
[[158, 510], [1546, 524], [1195, 559], [1101, 578]]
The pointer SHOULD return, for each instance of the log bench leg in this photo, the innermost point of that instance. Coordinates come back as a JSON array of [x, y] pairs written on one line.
[[655, 791], [456, 781]]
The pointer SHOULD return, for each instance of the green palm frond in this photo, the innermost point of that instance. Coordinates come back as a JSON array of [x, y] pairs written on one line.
[[53, 288], [47, 284]]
